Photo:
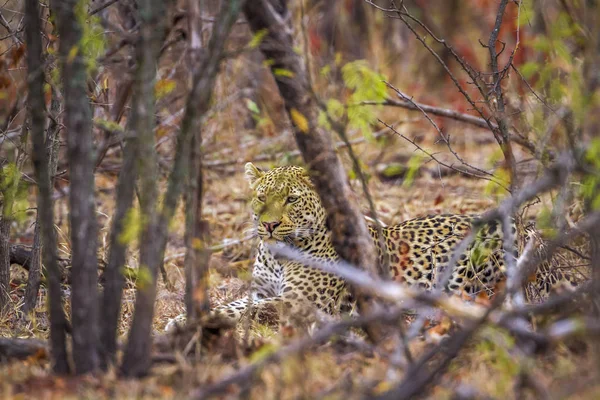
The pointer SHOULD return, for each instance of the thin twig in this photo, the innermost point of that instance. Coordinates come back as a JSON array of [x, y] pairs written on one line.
[[444, 137], [457, 116], [102, 7], [498, 104], [440, 162], [245, 375], [295, 153]]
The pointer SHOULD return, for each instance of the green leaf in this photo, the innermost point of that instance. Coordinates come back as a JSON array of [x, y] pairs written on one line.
[[354, 174], [366, 85], [263, 352], [325, 71], [529, 69], [108, 125], [323, 121], [163, 87], [132, 226], [283, 72], [543, 222], [257, 38], [493, 187], [394, 170], [495, 351], [129, 273], [9, 176], [92, 41], [562, 51], [545, 75], [414, 164], [479, 253], [588, 186], [251, 105], [361, 118], [592, 154], [144, 277], [542, 44], [335, 109], [556, 91], [596, 203], [579, 101], [14, 193], [526, 15]]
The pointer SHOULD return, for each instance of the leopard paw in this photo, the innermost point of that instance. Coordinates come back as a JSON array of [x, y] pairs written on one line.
[[176, 323]]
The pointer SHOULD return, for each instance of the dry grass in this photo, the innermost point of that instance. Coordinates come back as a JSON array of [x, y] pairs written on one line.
[[333, 371], [490, 365]]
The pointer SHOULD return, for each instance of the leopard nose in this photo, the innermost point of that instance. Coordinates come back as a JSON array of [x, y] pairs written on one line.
[[270, 226]]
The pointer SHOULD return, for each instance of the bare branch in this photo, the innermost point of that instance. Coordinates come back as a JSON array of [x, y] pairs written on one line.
[[104, 6], [294, 153], [432, 156], [498, 104], [457, 116], [43, 166], [137, 359], [20, 349]]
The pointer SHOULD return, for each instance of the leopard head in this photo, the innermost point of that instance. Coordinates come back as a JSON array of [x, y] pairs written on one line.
[[285, 204]]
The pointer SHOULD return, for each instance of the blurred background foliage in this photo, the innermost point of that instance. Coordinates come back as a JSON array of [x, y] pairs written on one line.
[[360, 55]]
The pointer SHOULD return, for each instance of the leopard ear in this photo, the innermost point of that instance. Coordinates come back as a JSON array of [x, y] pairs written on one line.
[[253, 174], [305, 173], [306, 176]]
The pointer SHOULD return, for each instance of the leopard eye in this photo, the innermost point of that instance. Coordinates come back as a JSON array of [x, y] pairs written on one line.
[[262, 198], [292, 199]]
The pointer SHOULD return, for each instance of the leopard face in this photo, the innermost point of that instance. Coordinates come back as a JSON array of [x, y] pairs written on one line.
[[285, 205]]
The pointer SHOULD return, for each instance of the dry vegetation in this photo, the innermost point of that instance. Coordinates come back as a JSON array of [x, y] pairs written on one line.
[[247, 122], [489, 365]]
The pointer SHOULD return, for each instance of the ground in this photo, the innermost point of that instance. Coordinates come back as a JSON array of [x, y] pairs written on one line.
[[489, 365]]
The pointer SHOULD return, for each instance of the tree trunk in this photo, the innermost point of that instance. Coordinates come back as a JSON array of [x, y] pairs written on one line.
[[197, 256], [45, 204], [589, 132], [9, 185], [153, 25], [140, 125], [20, 349], [594, 238], [114, 279], [78, 123], [34, 277], [137, 359], [35, 262], [4, 259], [350, 236]]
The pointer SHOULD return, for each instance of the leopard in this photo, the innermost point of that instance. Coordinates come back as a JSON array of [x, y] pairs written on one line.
[[287, 210]]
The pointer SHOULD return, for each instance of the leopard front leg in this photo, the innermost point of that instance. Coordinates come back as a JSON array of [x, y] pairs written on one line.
[[306, 286], [300, 303], [266, 284], [305, 295], [233, 311]]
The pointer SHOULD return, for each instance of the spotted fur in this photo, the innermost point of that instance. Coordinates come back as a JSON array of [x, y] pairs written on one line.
[[287, 209]]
